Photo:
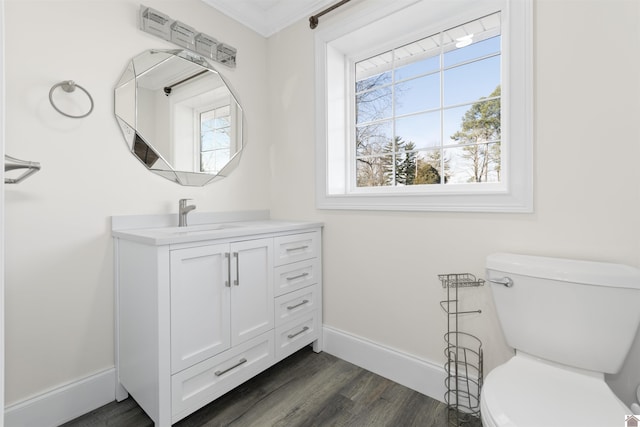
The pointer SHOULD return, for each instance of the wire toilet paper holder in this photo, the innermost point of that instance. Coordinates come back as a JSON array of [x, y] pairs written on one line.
[[463, 353]]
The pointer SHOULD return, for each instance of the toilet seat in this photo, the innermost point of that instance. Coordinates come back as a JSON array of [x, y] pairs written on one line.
[[526, 392]]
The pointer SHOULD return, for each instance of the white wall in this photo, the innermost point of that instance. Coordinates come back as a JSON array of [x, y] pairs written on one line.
[[380, 269], [59, 281]]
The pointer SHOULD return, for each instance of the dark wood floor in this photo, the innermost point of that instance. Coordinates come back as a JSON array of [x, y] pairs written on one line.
[[304, 390]]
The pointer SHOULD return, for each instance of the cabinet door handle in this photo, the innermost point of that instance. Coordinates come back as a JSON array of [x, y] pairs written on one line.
[[299, 276], [297, 248], [236, 281], [291, 307], [227, 282], [305, 329], [240, 362]]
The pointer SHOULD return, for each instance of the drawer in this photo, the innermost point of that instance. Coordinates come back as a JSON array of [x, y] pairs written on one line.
[[296, 334], [206, 381], [297, 303], [296, 247], [291, 277]]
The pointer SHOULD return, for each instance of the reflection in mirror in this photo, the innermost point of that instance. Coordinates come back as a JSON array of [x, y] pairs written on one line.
[[179, 117], [143, 152]]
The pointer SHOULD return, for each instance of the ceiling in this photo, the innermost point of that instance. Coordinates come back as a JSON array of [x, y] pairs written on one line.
[[267, 17]]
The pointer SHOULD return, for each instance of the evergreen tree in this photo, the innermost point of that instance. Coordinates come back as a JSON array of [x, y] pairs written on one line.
[[400, 164], [480, 132]]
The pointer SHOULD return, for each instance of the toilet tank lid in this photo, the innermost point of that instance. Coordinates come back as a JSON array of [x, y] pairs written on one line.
[[567, 270]]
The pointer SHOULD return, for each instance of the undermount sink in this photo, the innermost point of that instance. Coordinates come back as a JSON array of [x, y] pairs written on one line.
[[202, 228]]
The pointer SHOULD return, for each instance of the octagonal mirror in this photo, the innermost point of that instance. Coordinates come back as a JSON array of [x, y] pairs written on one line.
[[178, 116]]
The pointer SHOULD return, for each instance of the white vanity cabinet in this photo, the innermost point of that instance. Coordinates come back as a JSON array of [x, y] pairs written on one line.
[[197, 317]]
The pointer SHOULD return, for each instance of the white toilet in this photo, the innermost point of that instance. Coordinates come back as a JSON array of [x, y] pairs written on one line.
[[570, 322]]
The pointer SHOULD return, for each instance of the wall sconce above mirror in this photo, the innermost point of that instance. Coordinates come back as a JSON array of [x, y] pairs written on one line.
[[178, 116]]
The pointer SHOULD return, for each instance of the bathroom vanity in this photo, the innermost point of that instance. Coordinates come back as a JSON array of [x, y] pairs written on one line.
[[202, 309]]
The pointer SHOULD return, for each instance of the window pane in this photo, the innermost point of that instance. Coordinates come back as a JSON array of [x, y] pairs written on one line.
[[471, 82], [213, 161], [472, 51], [215, 139], [373, 105], [429, 168], [372, 139], [452, 123], [224, 111], [419, 57], [416, 95], [481, 122], [206, 141], [465, 41], [207, 161], [222, 122], [421, 129], [206, 125], [373, 82], [405, 167], [374, 171], [221, 139], [374, 71], [413, 69], [206, 116], [474, 163]]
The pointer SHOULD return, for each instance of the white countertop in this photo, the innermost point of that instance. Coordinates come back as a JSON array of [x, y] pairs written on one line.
[[216, 230]]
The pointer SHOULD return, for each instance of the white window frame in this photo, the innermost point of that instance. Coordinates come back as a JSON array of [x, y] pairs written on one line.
[[356, 36]]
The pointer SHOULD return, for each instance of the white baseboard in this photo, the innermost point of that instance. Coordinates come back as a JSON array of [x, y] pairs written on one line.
[[64, 403], [77, 398], [420, 375]]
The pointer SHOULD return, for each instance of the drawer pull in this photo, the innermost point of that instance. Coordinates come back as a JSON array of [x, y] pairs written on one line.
[[291, 307], [305, 329], [297, 248], [299, 276], [240, 362]]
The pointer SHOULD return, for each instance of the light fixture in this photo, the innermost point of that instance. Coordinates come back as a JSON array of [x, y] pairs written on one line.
[[160, 25], [464, 41]]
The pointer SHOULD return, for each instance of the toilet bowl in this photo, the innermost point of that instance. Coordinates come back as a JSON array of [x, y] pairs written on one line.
[[569, 323], [526, 392]]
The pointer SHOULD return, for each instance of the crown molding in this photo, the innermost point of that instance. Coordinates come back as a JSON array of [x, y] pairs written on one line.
[[267, 17]]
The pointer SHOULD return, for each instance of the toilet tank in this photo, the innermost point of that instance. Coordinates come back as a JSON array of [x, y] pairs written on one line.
[[579, 313]]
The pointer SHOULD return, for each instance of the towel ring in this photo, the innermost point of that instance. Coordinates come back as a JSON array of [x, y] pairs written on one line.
[[69, 86]]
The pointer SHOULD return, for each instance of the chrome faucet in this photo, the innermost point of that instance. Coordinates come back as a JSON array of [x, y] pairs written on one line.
[[183, 210]]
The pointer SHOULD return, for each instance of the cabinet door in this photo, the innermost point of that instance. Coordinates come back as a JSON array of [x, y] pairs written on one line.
[[252, 289], [200, 304]]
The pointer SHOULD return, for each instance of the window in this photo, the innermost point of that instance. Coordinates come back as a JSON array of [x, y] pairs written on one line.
[[436, 118], [215, 139], [429, 112]]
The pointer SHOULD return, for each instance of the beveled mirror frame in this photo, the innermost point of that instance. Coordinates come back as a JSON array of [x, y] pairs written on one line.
[[170, 138]]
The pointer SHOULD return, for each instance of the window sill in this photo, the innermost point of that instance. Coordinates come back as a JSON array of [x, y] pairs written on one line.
[[474, 202]]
